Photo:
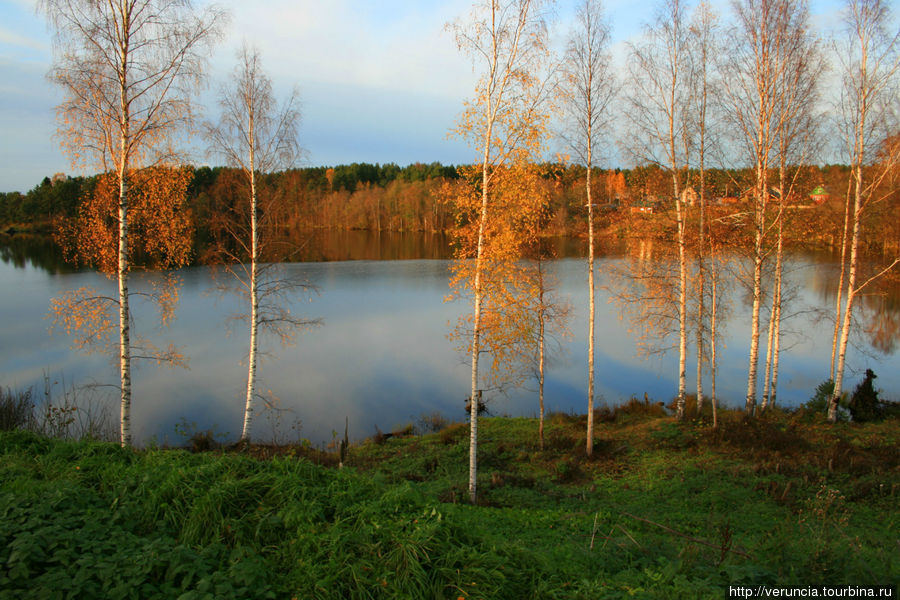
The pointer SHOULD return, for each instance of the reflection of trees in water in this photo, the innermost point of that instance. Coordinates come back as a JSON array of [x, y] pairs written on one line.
[[33, 250], [880, 316], [324, 245], [878, 303], [316, 245]]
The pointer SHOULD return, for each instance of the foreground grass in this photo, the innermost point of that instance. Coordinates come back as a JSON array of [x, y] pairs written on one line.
[[662, 510]]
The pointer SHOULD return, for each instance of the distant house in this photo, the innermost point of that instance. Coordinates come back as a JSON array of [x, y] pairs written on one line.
[[643, 207], [819, 195], [689, 196]]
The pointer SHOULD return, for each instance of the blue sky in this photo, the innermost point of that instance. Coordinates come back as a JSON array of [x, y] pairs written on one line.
[[379, 81]]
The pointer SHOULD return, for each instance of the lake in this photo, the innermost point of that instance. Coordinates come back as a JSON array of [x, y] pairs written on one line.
[[382, 358]]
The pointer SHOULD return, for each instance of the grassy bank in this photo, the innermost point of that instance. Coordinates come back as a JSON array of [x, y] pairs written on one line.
[[662, 510]]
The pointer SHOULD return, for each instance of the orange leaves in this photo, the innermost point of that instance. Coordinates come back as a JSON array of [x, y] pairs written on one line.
[[158, 221], [507, 291], [86, 315]]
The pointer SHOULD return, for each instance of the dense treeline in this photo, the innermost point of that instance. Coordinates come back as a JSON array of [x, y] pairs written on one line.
[[387, 197]]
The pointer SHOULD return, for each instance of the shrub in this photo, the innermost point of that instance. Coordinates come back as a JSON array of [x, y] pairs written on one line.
[[818, 404], [864, 403]]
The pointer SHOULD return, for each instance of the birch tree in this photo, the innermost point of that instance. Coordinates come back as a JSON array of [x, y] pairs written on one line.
[[756, 70], [589, 90], [507, 41], [256, 136], [657, 107], [128, 69], [703, 48], [868, 109]]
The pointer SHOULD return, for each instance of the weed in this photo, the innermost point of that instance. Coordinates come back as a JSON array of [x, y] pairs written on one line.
[[16, 410], [432, 423]]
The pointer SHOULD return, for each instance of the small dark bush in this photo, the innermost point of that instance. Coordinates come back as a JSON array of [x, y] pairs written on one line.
[[203, 441], [864, 403], [642, 408], [433, 423]]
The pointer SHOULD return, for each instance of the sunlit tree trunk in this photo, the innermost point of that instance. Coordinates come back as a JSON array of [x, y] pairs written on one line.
[[127, 69], [774, 312], [871, 67], [838, 301], [702, 37], [713, 365], [541, 331], [256, 136], [590, 87], [589, 449], [851, 296], [254, 280], [475, 395], [658, 103], [504, 124], [124, 313]]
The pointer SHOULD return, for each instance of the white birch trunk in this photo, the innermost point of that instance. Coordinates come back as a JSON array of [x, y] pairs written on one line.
[[589, 446], [476, 345], [712, 349], [476, 320], [124, 313], [841, 280], [541, 318], [123, 266], [701, 287], [254, 290], [851, 291]]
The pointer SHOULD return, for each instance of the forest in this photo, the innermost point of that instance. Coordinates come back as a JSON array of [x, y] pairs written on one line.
[[375, 197]]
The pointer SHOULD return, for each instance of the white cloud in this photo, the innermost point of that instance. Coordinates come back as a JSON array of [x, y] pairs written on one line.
[[14, 39], [346, 42]]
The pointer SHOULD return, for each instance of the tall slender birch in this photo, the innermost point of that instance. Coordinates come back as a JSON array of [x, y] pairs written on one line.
[[869, 62], [702, 36], [589, 89], [795, 116], [658, 102], [128, 69], [504, 122], [258, 137], [754, 71]]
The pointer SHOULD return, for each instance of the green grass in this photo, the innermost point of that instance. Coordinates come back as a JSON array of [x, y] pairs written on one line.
[[661, 510]]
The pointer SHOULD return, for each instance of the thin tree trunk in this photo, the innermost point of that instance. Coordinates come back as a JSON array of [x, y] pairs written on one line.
[[760, 210], [541, 318], [254, 290], [476, 322], [714, 300], [775, 317], [589, 447], [701, 285], [777, 348], [124, 313], [769, 348], [840, 291], [682, 262], [682, 310], [123, 263], [851, 292]]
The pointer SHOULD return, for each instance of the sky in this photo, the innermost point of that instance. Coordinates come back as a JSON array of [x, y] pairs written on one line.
[[379, 81]]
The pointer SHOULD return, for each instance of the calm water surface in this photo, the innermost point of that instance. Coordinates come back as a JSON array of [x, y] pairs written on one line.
[[382, 357]]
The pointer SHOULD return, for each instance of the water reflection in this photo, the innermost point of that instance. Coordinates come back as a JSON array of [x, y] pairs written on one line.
[[382, 356], [33, 251]]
